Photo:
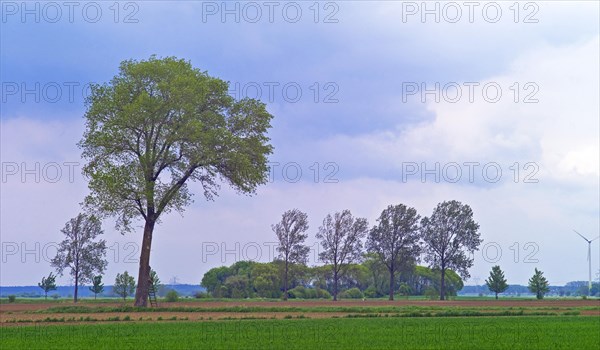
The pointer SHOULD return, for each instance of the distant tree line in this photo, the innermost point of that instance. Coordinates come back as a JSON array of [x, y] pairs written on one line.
[[369, 279], [360, 261]]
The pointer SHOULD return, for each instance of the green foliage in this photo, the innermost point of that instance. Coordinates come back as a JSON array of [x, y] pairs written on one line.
[[405, 289], [48, 284], [431, 293], [395, 240], [158, 125], [172, 296], [291, 248], [201, 295], [496, 282], [97, 285], [301, 292], [12, 298], [124, 285], [450, 229], [341, 237], [80, 252], [538, 284], [154, 280], [352, 293]]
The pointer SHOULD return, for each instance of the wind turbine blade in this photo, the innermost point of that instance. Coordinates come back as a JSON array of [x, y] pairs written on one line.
[[595, 239], [582, 236]]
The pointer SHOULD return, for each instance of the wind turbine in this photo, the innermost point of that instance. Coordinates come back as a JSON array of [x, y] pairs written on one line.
[[589, 241]]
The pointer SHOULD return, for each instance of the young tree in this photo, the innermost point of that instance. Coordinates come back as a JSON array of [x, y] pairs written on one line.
[[48, 284], [538, 284], [79, 252], [124, 285], [496, 282], [449, 234], [290, 233], [154, 280], [97, 285], [395, 239], [158, 125], [341, 237]]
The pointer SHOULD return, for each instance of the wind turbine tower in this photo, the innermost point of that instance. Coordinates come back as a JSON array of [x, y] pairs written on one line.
[[589, 257]]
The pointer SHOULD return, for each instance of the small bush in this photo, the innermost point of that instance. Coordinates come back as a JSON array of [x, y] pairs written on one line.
[[352, 293], [201, 295], [431, 293], [12, 298], [171, 296], [371, 292]]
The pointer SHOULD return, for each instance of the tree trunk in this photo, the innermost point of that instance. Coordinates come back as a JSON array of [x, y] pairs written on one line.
[[76, 283], [392, 283], [496, 296], [335, 285], [443, 283], [285, 281], [141, 293]]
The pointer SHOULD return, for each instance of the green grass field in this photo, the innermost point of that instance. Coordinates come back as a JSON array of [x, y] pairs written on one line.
[[407, 333]]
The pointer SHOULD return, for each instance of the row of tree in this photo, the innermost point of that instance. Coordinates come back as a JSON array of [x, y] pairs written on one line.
[[446, 240], [496, 282], [123, 287], [369, 279]]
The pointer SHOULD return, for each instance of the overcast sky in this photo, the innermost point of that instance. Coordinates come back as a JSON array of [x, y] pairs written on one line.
[[375, 103]]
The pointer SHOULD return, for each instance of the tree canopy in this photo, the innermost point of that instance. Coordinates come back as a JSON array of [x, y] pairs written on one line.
[[158, 124]]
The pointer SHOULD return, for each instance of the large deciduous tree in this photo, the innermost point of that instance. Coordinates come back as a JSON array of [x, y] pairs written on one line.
[[496, 282], [79, 252], [449, 235], [395, 239], [341, 238], [157, 125], [290, 234]]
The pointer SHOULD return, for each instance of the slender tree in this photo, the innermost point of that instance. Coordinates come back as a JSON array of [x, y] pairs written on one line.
[[124, 285], [80, 252], [290, 234], [449, 235], [48, 284], [341, 236], [154, 280], [97, 285], [158, 125], [496, 282], [395, 239], [538, 284]]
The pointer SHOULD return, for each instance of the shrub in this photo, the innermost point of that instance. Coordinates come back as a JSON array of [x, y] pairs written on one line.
[[12, 298], [301, 292], [201, 295], [172, 296], [352, 293], [371, 292], [298, 292], [431, 293]]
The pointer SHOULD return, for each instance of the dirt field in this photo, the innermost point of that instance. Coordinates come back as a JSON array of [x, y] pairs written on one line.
[[26, 314]]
